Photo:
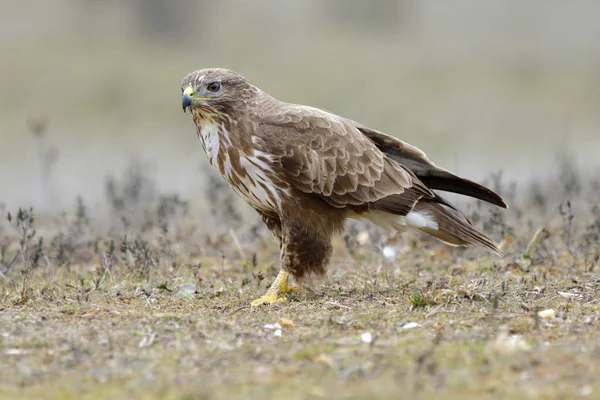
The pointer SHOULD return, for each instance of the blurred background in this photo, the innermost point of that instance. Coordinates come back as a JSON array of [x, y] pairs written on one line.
[[89, 88]]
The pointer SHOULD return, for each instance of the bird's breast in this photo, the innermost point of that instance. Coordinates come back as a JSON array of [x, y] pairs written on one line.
[[250, 172], [253, 179], [210, 134]]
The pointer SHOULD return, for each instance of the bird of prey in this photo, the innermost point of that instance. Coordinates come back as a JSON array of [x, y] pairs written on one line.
[[305, 170]]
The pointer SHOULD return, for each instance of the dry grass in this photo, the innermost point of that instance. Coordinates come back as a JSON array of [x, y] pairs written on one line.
[[153, 308]]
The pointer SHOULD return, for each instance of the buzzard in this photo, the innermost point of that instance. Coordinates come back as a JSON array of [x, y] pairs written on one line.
[[305, 170]]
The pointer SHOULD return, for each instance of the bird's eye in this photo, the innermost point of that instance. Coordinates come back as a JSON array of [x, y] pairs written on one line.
[[214, 87]]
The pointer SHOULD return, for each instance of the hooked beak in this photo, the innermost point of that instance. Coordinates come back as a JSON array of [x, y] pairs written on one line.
[[188, 98]]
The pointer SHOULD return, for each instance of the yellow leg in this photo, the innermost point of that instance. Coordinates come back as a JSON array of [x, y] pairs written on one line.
[[272, 296], [285, 288]]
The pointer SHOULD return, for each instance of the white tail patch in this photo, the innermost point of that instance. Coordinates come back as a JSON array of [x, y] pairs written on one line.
[[414, 219], [421, 219]]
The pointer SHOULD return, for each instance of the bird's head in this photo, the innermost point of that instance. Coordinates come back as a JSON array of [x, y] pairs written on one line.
[[215, 89]]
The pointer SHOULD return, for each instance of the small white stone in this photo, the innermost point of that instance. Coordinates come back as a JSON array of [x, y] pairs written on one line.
[[188, 288], [362, 238], [585, 391], [568, 295], [547, 314], [272, 326], [15, 352], [411, 325], [366, 337], [277, 333], [389, 252], [509, 344]]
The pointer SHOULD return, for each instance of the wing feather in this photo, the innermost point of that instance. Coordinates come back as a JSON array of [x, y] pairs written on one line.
[[326, 155], [430, 174]]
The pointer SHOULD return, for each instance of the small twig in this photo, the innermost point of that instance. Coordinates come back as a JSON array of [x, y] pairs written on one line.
[[10, 264], [240, 308], [337, 305], [237, 244], [6, 278]]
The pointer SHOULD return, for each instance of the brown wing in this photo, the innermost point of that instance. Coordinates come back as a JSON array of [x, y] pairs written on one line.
[[325, 155], [430, 174]]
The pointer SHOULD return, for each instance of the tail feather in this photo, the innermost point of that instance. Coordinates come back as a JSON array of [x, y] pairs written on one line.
[[453, 227], [448, 182]]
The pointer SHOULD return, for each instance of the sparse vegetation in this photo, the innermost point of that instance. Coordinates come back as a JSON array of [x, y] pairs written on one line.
[[156, 304], [140, 289]]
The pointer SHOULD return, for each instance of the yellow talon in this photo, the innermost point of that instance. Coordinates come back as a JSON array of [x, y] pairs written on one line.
[[288, 289], [272, 296], [267, 299], [285, 288]]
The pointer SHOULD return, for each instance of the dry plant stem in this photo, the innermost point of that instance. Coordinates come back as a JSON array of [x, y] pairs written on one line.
[[540, 235], [237, 243]]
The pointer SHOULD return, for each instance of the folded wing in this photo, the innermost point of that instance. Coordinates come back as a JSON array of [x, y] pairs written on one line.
[[326, 155], [431, 175]]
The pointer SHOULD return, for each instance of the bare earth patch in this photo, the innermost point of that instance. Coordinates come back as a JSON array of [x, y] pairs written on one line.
[[154, 311]]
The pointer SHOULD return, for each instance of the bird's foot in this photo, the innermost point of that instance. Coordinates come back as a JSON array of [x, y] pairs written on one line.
[[269, 298], [289, 289], [272, 296]]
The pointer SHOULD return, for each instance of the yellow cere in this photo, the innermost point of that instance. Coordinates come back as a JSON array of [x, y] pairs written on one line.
[[189, 91]]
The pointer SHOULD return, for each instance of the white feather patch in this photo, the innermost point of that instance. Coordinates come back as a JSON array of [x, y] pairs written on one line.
[[414, 219], [263, 191], [257, 188], [421, 219], [210, 138]]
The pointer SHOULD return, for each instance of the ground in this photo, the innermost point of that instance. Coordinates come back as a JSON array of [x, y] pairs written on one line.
[[123, 318]]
